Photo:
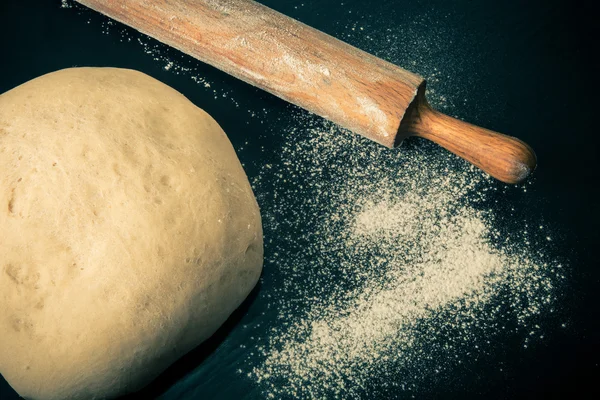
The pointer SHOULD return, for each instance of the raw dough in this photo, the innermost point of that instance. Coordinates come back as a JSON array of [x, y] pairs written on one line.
[[128, 232]]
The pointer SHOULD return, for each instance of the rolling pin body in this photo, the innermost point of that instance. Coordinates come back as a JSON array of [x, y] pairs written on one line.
[[315, 71]]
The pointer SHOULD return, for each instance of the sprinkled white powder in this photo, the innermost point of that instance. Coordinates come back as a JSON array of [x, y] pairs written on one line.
[[375, 114], [379, 254]]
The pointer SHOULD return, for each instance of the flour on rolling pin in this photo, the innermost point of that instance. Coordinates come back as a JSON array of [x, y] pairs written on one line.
[[320, 73], [308, 75]]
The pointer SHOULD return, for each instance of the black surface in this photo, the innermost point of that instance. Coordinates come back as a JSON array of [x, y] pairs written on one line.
[[536, 75]]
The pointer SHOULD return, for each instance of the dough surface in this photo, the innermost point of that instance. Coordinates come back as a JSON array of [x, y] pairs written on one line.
[[128, 232]]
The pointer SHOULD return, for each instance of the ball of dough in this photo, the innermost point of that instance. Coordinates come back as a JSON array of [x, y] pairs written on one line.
[[128, 232]]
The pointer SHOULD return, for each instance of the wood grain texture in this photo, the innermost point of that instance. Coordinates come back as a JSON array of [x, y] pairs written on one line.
[[506, 158], [317, 72]]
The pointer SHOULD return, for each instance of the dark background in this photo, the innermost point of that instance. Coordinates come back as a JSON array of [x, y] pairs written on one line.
[[529, 72]]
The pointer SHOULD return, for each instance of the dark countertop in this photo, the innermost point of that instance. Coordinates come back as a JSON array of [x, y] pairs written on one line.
[[524, 68]]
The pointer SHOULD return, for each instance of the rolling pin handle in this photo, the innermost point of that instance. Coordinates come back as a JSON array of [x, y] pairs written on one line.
[[506, 158]]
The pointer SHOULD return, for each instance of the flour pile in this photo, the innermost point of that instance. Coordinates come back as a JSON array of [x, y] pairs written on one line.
[[387, 266]]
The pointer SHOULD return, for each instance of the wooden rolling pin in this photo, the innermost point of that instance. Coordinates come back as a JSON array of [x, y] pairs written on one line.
[[315, 71]]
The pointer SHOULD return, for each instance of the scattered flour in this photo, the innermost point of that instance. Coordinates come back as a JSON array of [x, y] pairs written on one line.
[[376, 115], [381, 261]]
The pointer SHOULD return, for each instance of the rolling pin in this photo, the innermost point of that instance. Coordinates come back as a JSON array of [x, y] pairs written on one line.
[[318, 72]]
